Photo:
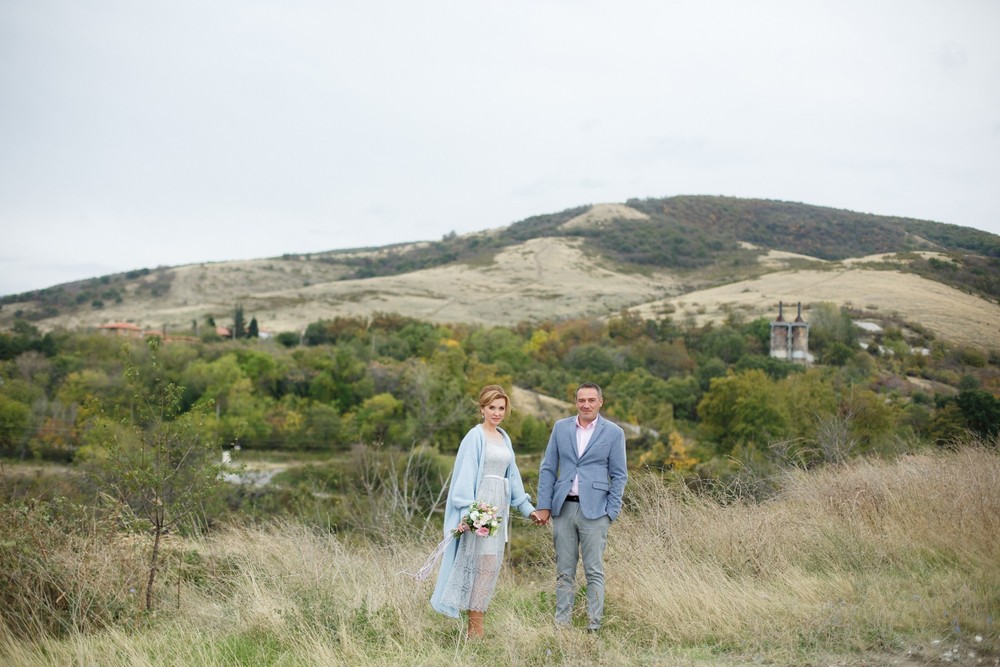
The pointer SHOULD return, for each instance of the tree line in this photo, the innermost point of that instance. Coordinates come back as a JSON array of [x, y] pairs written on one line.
[[405, 382]]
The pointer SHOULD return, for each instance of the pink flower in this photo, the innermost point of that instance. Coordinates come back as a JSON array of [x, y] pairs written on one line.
[[483, 531]]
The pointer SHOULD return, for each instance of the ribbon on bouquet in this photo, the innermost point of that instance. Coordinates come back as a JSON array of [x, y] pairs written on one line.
[[432, 560], [439, 550]]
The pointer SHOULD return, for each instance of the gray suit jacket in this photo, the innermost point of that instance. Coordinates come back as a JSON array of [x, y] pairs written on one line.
[[602, 469]]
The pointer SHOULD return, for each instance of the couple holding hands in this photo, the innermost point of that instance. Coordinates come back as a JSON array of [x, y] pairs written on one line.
[[580, 485]]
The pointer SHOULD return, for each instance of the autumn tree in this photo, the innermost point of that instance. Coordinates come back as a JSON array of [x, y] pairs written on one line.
[[675, 455]]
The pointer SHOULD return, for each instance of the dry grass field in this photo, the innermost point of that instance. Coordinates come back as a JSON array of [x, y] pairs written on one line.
[[947, 312], [869, 563], [541, 278]]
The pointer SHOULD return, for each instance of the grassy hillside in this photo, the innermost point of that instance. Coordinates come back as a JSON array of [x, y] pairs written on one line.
[[693, 231], [817, 231], [627, 256], [453, 248], [678, 232]]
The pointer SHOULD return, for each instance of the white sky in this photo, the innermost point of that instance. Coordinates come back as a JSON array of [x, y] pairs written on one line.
[[139, 134]]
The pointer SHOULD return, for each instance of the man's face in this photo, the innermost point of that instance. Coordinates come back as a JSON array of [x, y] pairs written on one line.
[[588, 403]]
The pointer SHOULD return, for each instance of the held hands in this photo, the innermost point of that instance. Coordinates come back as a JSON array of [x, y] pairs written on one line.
[[540, 517]]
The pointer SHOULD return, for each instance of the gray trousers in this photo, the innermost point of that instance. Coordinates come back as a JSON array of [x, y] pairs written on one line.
[[574, 535]]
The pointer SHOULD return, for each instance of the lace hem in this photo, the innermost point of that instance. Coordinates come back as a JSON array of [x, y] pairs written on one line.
[[472, 583]]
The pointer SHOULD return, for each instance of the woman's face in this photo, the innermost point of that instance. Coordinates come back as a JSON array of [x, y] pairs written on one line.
[[495, 411]]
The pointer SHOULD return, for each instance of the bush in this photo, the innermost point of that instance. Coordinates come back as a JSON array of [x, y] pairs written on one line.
[[288, 338], [971, 356], [62, 569]]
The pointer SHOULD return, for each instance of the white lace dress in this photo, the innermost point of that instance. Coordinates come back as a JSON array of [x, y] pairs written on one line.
[[477, 565]]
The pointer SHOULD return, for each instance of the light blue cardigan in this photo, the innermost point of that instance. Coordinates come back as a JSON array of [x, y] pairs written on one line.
[[464, 485]]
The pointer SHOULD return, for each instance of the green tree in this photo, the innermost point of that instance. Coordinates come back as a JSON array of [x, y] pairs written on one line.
[[25, 337], [322, 428], [981, 411], [836, 354], [263, 369], [89, 383], [810, 398], [288, 338], [829, 324], [684, 392], [239, 322], [947, 426], [378, 419], [641, 398], [499, 346], [758, 333], [246, 417], [253, 331], [725, 343], [156, 463], [775, 368], [872, 420], [15, 418], [324, 388], [662, 358], [439, 394], [591, 360], [533, 436], [709, 369], [213, 380], [743, 407]]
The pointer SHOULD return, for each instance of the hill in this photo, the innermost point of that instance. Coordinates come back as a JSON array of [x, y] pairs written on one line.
[[870, 290], [700, 257]]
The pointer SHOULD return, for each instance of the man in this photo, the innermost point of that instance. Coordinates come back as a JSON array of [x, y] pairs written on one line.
[[580, 486]]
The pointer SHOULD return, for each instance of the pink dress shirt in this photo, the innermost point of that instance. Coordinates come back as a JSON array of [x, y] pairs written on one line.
[[583, 435]]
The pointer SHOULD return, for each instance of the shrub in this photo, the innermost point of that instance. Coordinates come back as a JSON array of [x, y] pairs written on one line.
[[62, 569]]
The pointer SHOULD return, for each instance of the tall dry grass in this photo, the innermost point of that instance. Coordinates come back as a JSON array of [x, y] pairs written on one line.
[[856, 557], [862, 562], [64, 569]]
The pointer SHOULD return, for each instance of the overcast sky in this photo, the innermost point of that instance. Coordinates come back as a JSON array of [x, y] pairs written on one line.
[[140, 134]]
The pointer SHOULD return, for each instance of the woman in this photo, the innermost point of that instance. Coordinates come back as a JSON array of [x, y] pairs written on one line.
[[484, 472]]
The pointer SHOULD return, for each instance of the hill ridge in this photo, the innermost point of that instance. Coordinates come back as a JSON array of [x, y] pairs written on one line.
[[586, 261]]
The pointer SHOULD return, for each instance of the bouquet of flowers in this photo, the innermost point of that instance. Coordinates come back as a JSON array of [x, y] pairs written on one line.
[[482, 519]]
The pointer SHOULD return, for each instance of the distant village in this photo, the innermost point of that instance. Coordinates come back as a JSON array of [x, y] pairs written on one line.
[[129, 330]]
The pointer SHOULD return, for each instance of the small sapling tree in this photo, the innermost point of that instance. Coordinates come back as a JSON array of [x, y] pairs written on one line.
[[158, 463]]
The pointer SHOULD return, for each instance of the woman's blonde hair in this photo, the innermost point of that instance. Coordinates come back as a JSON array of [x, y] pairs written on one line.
[[492, 392]]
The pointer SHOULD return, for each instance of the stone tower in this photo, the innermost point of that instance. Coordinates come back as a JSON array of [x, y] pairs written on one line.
[[790, 340]]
